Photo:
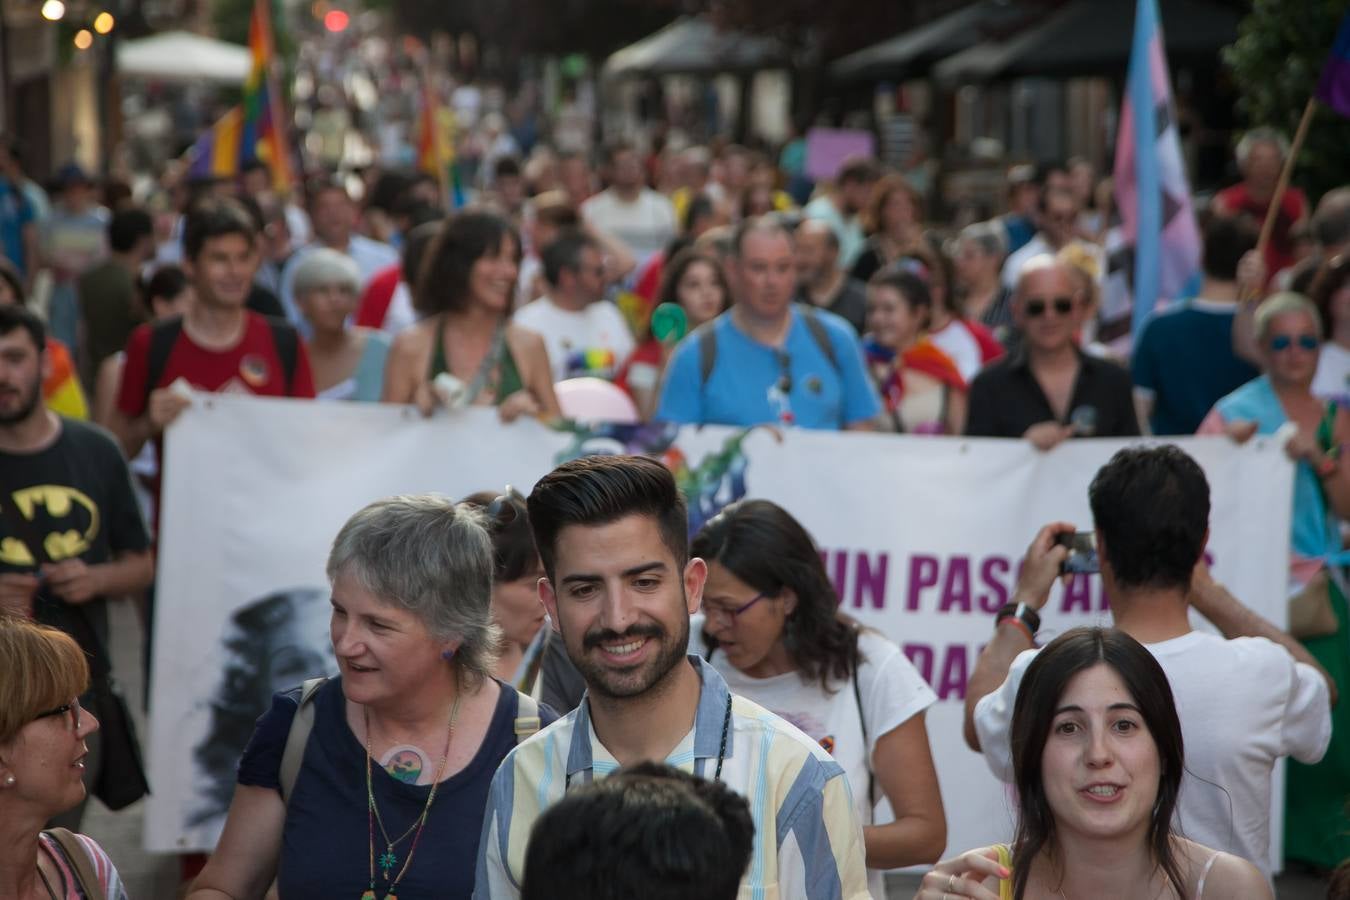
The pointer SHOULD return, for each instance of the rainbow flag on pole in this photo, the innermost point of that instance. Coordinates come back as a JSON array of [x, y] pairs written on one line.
[[1152, 193], [435, 145], [253, 130]]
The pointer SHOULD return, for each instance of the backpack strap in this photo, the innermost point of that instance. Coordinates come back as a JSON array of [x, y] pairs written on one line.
[[287, 343], [296, 739], [163, 335], [527, 716], [811, 316], [79, 860]]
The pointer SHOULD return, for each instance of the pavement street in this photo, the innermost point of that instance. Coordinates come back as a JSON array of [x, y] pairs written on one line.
[[155, 876]]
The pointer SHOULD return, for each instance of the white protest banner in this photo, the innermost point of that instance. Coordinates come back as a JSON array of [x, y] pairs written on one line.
[[922, 536]]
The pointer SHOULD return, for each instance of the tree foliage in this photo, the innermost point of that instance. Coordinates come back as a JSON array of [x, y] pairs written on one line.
[[1276, 61]]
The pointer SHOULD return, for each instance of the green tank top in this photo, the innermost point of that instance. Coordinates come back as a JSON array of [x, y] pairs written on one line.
[[508, 374]]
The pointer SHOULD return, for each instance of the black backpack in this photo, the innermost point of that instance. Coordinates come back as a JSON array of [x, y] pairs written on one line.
[[163, 335], [707, 342]]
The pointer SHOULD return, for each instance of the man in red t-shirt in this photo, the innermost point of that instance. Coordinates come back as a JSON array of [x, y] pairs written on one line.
[[218, 345], [1260, 157]]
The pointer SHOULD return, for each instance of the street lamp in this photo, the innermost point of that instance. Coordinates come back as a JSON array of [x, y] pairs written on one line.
[[103, 22], [84, 39], [53, 10]]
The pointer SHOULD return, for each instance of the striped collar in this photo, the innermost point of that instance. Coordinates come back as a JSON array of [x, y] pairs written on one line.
[[708, 720]]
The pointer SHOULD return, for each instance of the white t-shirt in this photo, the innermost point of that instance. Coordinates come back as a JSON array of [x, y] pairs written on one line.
[[892, 692], [646, 225], [594, 341], [1243, 704], [1332, 380]]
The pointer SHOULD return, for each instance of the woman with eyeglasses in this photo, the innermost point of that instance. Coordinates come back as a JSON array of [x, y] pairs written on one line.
[[1288, 331], [516, 571], [772, 627], [42, 753], [1097, 761], [920, 386]]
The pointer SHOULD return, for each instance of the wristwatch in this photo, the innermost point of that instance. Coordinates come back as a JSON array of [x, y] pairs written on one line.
[[1022, 614]]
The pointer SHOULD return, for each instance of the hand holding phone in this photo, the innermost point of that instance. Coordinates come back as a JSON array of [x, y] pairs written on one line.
[[1082, 558]]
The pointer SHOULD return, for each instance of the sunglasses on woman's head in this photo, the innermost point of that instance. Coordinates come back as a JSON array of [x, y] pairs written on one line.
[[1285, 341], [1036, 306]]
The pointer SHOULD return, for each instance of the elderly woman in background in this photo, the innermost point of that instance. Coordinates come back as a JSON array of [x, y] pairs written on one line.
[[42, 751], [1288, 332], [348, 362], [978, 254], [404, 741]]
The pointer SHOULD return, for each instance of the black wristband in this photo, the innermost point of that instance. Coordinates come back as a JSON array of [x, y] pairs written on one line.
[[1020, 611]]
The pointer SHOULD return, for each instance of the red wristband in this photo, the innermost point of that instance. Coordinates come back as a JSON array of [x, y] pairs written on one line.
[[1025, 628]]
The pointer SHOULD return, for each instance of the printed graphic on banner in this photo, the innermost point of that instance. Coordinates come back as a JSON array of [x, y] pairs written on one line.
[[921, 536]]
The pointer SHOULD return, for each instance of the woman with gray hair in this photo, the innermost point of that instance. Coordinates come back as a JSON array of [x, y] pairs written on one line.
[[1289, 334], [347, 361], [978, 253], [373, 783]]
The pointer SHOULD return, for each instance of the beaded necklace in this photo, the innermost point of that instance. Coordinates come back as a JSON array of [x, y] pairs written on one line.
[[389, 859]]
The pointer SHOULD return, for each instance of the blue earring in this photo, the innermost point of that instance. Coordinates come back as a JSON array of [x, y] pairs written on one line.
[[448, 655]]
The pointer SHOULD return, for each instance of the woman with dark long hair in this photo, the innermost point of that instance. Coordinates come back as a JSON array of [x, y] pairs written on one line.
[[1097, 760], [466, 351], [771, 626]]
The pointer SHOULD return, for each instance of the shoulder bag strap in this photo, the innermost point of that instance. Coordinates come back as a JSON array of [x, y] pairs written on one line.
[[287, 342], [527, 716], [296, 739], [162, 338], [862, 722], [79, 860], [822, 336]]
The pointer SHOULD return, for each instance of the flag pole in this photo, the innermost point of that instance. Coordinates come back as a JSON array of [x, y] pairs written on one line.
[[1277, 199]]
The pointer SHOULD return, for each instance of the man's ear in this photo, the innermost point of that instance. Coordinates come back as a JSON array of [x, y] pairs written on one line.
[[549, 599], [695, 577]]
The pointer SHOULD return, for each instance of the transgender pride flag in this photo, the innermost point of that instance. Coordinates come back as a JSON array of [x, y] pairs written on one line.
[[1152, 194]]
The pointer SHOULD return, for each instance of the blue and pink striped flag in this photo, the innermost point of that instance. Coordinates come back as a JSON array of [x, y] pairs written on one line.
[[1334, 88], [1152, 193]]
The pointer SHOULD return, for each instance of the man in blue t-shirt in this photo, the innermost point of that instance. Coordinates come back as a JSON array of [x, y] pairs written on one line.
[[1184, 361], [768, 360], [18, 223]]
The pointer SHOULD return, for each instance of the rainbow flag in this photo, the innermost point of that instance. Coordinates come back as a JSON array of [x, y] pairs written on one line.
[[435, 145], [1152, 193], [1334, 87], [252, 130]]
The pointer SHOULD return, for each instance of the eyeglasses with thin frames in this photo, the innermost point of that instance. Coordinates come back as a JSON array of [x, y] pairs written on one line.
[[713, 611], [71, 709]]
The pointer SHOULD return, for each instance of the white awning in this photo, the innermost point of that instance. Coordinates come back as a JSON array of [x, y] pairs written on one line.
[[184, 56]]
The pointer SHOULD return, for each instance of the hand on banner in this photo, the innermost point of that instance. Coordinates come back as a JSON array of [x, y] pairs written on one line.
[[166, 404], [72, 580], [521, 403], [1042, 565], [1048, 435], [964, 876], [17, 591], [1239, 431]]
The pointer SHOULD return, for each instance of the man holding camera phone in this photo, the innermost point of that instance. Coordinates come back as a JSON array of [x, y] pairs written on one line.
[[1244, 699]]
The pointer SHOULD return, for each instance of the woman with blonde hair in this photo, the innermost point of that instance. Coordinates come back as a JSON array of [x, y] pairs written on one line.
[[42, 753]]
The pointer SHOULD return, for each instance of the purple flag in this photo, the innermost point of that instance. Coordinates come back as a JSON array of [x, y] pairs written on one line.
[[1334, 88]]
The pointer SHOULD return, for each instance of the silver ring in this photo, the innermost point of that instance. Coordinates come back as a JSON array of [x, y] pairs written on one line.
[[951, 883]]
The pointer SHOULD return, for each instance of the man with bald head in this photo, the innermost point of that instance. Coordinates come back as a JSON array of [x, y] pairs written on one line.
[[821, 281], [768, 360], [1051, 390]]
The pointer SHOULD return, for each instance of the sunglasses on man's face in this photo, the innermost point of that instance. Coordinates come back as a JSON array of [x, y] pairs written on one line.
[[1284, 341], [1036, 306]]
